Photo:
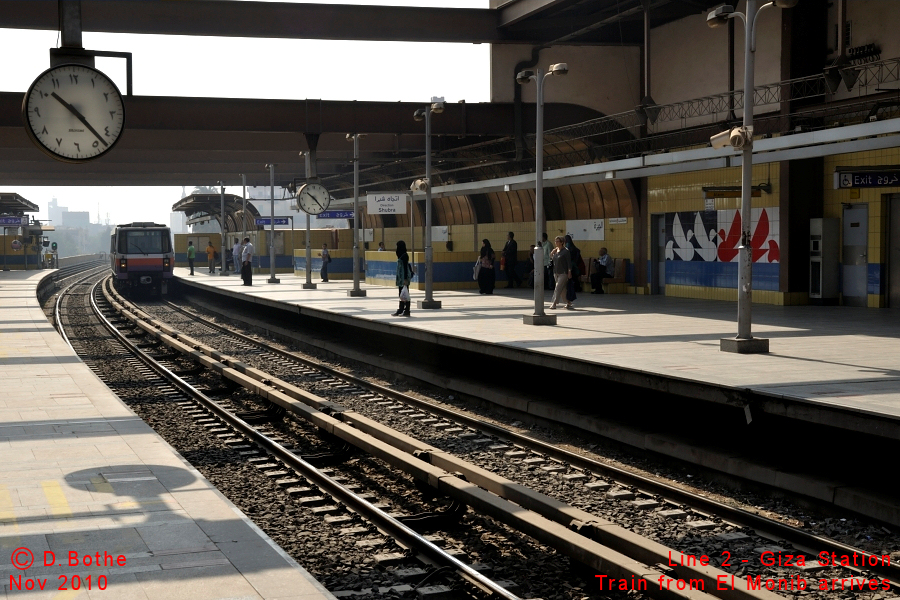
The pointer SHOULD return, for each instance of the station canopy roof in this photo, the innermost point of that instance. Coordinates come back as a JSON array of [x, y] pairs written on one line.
[[206, 207], [14, 204]]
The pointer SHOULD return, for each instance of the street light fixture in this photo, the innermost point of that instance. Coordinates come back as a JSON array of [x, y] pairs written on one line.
[[539, 317], [424, 114], [272, 278], [742, 138], [224, 270], [355, 291]]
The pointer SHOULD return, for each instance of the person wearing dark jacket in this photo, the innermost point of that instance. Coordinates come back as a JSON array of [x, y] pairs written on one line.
[[510, 258], [404, 274], [574, 284], [486, 275]]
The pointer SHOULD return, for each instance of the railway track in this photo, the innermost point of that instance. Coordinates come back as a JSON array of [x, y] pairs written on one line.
[[568, 483]]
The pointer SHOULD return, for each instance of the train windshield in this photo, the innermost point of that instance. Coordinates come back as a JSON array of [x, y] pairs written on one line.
[[146, 241]]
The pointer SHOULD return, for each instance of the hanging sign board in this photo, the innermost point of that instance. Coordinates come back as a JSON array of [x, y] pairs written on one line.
[[335, 214], [386, 203], [268, 221], [866, 179], [13, 221]]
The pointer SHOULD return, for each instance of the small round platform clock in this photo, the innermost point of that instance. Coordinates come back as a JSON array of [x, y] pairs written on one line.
[[73, 113], [313, 198]]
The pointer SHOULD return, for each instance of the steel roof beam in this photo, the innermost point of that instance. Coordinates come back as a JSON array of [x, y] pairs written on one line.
[[226, 18]]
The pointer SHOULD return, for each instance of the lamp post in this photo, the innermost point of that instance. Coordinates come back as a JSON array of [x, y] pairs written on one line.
[[539, 317], [436, 106], [272, 278], [355, 291], [224, 271], [742, 137], [243, 209]]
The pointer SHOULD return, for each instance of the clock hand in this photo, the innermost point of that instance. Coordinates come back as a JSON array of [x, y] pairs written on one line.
[[79, 116], [317, 202]]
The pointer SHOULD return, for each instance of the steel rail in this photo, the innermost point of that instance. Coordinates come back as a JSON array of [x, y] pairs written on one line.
[[620, 553], [57, 308], [391, 526], [764, 525]]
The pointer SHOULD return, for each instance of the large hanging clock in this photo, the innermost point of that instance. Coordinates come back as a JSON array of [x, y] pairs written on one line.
[[313, 198], [74, 113]]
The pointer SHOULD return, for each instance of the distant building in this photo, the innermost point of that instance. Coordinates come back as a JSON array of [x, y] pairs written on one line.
[[178, 222], [81, 218], [55, 212]]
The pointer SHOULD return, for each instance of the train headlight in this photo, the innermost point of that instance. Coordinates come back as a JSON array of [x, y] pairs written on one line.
[[166, 262], [123, 264]]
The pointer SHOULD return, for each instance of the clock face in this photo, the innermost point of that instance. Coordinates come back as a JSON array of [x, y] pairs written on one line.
[[313, 198], [74, 113]]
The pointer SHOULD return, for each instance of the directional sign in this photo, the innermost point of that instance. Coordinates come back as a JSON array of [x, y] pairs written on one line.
[[16, 245], [268, 221], [866, 179], [386, 203], [336, 214], [13, 221]]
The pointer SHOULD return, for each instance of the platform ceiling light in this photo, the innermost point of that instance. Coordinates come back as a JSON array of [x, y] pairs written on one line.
[[720, 16]]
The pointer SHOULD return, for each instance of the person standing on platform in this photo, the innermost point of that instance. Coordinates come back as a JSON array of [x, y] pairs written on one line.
[[236, 255], [192, 254], [247, 262], [326, 258], [404, 275], [562, 270], [211, 257], [511, 257], [548, 270], [486, 275], [381, 247], [577, 265]]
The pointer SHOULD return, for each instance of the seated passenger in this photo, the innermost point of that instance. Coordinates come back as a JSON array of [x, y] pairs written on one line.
[[600, 269]]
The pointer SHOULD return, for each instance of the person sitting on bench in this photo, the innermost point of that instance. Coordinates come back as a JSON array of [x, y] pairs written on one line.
[[602, 266]]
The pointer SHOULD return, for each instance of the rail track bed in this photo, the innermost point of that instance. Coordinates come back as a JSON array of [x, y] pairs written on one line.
[[544, 521]]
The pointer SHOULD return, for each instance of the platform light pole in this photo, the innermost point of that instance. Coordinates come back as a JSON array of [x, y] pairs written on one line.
[[742, 137], [539, 317], [243, 207], [437, 107], [224, 271], [355, 292], [272, 278]]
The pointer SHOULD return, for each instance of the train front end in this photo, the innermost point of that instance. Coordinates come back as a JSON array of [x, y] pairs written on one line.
[[143, 257]]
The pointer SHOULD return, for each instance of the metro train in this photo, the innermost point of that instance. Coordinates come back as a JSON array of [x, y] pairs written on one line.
[[142, 257]]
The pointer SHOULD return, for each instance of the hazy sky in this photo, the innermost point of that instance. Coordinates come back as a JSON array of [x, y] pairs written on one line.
[[243, 68]]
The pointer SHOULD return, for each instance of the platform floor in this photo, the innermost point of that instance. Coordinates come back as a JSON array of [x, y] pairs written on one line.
[[81, 473], [838, 357]]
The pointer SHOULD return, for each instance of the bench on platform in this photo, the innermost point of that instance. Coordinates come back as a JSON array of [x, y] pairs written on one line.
[[612, 285]]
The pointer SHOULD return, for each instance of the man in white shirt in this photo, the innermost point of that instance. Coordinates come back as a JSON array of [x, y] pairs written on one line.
[[247, 262]]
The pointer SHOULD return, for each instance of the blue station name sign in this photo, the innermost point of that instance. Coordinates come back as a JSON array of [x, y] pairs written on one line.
[[7, 221]]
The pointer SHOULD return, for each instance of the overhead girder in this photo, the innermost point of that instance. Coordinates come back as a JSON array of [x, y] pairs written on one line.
[[190, 141], [534, 22]]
